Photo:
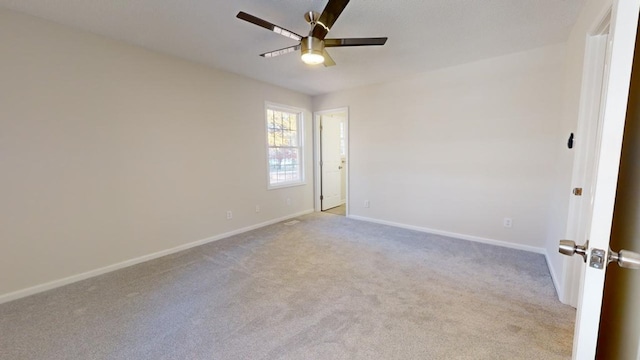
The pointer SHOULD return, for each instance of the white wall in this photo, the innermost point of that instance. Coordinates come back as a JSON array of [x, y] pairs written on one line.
[[109, 152], [459, 149]]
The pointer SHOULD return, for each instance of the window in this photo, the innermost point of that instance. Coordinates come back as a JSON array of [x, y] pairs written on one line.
[[284, 146]]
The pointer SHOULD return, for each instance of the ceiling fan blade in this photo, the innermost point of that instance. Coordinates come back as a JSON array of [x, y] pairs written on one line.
[[284, 51], [329, 16], [355, 42], [328, 61], [269, 26]]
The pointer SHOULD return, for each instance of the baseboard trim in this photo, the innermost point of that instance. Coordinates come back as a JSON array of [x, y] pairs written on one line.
[[100, 271], [554, 278], [453, 235]]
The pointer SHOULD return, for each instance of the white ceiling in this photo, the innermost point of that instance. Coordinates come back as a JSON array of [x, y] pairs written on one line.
[[423, 34]]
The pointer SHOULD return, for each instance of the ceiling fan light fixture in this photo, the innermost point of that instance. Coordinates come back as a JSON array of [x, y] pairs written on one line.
[[312, 50], [312, 58]]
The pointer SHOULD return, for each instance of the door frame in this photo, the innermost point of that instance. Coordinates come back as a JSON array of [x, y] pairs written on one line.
[[622, 41], [317, 155], [590, 124]]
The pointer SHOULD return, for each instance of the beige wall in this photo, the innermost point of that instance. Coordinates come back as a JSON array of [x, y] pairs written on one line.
[[109, 152], [459, 149]]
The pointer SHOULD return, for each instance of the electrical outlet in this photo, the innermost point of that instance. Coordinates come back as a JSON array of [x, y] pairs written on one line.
[[366, 203], [289, 201], [229, 215], [257, 208], [507, 222]]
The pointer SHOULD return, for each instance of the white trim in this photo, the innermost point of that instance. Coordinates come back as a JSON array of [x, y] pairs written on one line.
[[93, 273], [317, 176], [560, 291], [505, 244]]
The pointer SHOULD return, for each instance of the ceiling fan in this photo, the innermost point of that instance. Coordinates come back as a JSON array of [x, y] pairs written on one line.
[[313, 46]]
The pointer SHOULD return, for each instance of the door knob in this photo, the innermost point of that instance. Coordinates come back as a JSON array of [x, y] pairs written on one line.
[[569, 248], [625, 259]]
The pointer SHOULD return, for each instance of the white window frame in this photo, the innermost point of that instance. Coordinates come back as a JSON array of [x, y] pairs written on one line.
[[301, 146]]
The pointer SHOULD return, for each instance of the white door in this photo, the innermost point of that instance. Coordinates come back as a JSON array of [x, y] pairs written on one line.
[[624, 21], [589, 139], [331, 163]]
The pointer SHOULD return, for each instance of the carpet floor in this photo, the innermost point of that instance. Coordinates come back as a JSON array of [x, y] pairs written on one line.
[[328, 287]]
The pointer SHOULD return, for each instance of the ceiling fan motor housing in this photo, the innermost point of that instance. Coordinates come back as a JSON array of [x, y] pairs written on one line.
[[311, 46]]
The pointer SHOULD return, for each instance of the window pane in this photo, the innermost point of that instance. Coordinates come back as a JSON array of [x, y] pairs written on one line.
[[270, 117], [284, 147], [284, 165], [290, 138], [271, 137], [294, 122]]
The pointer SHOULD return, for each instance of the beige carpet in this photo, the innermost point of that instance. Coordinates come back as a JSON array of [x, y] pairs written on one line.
[[328, 287]]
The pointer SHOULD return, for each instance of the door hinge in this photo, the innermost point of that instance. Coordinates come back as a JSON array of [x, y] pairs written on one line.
[[321, 197], [577, 191]]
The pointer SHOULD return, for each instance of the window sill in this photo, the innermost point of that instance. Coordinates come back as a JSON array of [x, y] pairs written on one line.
[[286, 185]]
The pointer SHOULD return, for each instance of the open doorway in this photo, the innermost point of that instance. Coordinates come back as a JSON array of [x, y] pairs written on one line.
[[332, 165]]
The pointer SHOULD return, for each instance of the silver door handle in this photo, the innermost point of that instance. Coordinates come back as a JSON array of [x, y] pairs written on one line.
[[625, 259], [570, 248]]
